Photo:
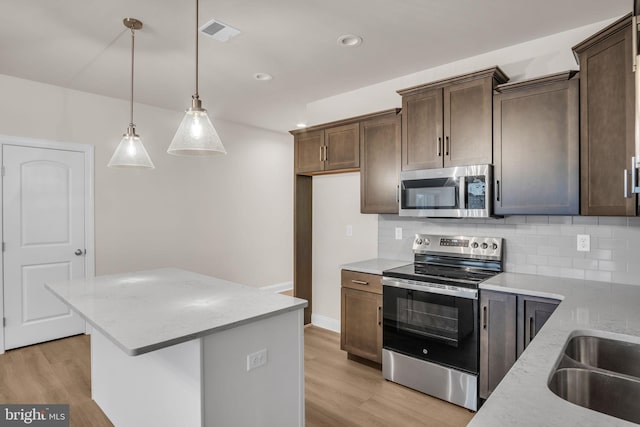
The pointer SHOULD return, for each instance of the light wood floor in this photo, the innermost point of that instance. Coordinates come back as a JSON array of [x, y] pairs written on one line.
[[53, 372], [338, 391]]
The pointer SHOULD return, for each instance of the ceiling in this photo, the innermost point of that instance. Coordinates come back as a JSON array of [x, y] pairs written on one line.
[[82, 44]]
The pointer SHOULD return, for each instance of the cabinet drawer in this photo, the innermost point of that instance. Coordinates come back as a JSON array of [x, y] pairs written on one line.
[[362, 281]]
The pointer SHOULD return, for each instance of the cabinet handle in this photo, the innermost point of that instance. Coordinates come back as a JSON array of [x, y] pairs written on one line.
[[439, 146], [321, 147], [484, 317], [626, 184], [446, 145], [397, 193], [634, 175], [530, 329], [497, 190], [634, 43], [326, 153], [360, 282], [379, 317]]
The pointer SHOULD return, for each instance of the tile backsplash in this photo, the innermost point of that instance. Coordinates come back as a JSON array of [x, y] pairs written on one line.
[[544, 245]]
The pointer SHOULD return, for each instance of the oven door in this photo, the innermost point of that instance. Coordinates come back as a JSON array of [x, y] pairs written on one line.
[[431, 326]]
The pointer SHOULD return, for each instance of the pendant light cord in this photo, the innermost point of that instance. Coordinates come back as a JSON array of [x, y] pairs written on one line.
[[132, 59], [197, 16]]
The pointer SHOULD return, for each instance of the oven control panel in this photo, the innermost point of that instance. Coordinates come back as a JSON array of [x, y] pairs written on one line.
[[460, 245]]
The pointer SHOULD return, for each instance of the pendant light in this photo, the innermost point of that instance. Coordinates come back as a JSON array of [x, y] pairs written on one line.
[[130, 153], [196, 135]]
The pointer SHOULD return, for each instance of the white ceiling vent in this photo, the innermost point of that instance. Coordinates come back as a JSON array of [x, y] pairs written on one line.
[[219, 30]]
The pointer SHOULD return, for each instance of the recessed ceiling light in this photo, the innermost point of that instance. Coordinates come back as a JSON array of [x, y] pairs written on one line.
[[263, 77], [302, 125], [349, 40]]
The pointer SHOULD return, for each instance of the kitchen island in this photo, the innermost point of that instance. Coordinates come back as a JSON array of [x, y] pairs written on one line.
[[174, 348], [600, 309]]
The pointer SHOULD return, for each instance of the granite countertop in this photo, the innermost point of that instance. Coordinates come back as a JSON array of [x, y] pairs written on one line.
[[148, 310], [596, 308], [374, 266]]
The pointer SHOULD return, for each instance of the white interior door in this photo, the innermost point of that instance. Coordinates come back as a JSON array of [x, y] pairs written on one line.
[[44, 234]]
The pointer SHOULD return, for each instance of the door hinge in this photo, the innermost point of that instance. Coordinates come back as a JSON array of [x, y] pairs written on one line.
[[2, 170]]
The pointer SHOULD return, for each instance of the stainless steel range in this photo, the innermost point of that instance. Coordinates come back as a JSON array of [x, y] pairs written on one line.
[[430, 334]]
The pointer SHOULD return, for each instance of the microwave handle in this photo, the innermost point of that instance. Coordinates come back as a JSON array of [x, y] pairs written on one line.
[[463, 192]]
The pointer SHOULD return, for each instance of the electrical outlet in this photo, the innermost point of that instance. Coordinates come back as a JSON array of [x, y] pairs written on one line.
[[257, 359], [583, 243], [398, 233], [349, 230]]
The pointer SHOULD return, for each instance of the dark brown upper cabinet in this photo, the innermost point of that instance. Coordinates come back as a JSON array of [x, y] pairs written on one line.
[[449, 122], [327, 150], [380, 163], [309, 151], [536, 146], [606, 120], [342, 147]]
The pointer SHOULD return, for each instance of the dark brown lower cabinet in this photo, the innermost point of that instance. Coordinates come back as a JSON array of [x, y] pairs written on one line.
[[497, 338], [508, 323], [361, 315], [533, 313]]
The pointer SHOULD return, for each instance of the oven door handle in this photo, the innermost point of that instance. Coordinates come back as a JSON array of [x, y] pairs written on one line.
[[429, 288]]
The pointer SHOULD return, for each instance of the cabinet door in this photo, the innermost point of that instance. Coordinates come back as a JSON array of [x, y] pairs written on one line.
[[534, 313], [379, 165], [343, 147], [536, 139], [607, 125], [309, 152], [422, 144], [497, 338], [361, 324], [468, 123]]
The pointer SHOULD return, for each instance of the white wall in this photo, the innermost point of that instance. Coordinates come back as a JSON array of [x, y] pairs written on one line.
[[336, 204], [535, 58], [193, 213]]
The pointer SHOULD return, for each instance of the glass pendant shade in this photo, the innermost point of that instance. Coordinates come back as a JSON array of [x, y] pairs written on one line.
[[130, 153], [196, 136]]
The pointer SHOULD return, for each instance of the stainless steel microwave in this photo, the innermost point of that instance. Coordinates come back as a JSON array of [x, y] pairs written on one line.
[[458, 192]]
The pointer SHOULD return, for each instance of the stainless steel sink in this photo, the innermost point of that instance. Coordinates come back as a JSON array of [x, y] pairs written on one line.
[[610, 394], [612, 355], [600, 374]]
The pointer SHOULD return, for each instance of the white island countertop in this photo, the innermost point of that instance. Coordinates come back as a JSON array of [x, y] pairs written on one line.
[[588, 307], [148, 310]]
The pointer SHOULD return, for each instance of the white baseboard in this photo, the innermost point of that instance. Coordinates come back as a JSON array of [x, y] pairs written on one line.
[[325, 322], [278, 287]]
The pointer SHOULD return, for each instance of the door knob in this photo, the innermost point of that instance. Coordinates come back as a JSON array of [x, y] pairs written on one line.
[[78, 252]]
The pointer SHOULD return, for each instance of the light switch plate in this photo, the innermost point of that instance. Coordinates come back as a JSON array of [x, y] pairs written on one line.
[[398, 233]]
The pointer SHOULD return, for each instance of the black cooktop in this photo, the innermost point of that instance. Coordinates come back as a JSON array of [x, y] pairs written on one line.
[[441, 274]]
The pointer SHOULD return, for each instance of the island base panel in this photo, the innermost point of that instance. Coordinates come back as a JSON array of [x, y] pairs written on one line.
[[205, 382], [271, 395], [160, 388]]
